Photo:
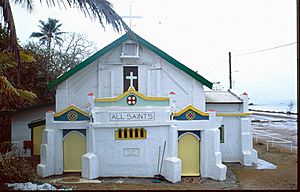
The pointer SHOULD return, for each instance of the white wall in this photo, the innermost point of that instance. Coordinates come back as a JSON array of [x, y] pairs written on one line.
[[231, 148], [105, 79], [20, 120], [113, 162], [223, 108]]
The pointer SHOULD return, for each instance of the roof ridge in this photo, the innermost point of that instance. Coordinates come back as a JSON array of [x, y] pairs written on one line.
[[119, 41]]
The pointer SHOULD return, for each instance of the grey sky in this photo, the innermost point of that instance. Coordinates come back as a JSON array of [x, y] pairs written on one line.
[[200, 33]]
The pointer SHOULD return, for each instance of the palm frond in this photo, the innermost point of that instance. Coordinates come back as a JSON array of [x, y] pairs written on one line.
[[26, 57], [28, 4], [100, 9], [11, 94], [7, 61], [36, 34]]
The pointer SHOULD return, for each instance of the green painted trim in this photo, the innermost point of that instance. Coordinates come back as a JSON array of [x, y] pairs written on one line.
[[86, 62], [116, 43], [176, 63]]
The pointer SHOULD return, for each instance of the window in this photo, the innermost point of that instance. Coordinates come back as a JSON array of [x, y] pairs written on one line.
[[130, 50], [130, 77], [221, 133], [130, 133]]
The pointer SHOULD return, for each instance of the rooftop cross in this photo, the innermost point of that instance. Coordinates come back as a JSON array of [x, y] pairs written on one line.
[[131, 17], [131, 78]]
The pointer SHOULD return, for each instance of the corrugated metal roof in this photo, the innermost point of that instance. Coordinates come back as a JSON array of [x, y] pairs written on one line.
[[221, 97]]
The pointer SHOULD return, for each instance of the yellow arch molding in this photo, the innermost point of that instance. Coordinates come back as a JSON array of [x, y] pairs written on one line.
[[69, 108], [131, 90], [190, 107]]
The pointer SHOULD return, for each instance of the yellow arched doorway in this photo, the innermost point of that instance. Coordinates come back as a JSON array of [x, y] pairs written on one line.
[[189, 153], [74, 149]]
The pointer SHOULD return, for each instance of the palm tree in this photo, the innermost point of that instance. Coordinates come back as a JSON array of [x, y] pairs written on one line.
[[100, 9], [49, 31]]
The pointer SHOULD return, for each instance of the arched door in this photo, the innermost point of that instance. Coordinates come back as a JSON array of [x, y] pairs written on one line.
[[189, 153], [74, 149]]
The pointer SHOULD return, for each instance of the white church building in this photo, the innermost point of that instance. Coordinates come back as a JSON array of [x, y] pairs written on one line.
[[132, 110]]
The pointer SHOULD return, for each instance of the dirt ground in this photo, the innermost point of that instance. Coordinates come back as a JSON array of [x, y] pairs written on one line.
[[284, 177], [238, 177]]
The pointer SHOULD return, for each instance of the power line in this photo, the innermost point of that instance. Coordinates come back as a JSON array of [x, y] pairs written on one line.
[[253, 52], [248, 53], [222, 63]]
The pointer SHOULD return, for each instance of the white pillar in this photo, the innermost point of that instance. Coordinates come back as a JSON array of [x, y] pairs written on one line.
[[171, 169], [112, 84], [58, 146], [172, 95], [149, 82], [249, 155], [99, 81], [90, 161], [90, 166], [173, 141], [194, 98], [211, 165], [90, 100], [47, 165], [245, 99], [158, 82], [90, 139]]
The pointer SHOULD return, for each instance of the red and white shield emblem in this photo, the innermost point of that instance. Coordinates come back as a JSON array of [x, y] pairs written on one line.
[[131, 100]]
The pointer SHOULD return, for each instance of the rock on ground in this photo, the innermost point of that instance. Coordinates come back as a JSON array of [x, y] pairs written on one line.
[[32, 186]]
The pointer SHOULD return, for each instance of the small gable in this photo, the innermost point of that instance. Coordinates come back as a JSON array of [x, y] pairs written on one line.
[[132, 98], [71, 113], [191, 113]]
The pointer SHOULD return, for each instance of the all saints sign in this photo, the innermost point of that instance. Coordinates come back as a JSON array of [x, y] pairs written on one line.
[[132, 116]]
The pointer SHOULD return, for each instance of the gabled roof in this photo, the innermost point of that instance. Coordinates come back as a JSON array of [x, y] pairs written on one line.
[[118, 42]]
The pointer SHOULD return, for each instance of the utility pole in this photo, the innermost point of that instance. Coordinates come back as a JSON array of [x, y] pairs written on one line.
[[230, 80]]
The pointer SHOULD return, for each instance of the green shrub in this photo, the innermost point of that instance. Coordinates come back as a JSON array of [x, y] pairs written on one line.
[[16, 169]]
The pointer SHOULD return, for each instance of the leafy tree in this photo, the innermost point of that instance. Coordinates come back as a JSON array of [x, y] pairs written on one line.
[[74, 49], [100, 9]]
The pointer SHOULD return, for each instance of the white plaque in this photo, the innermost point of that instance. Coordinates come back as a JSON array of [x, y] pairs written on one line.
[[131, 152], [132, 116]]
